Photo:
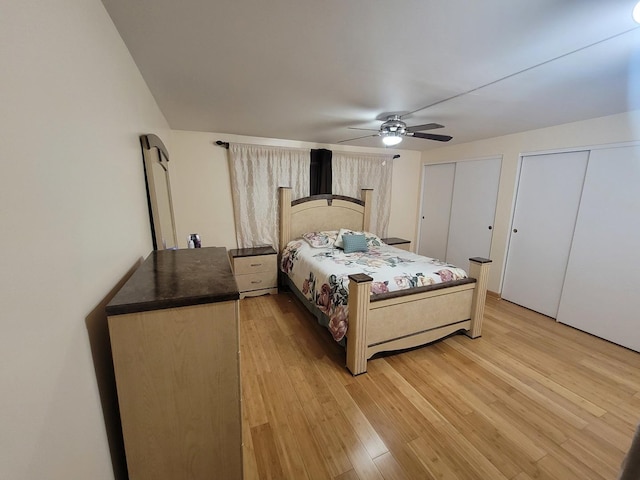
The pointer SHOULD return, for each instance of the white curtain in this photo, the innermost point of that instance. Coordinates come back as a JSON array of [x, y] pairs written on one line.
[[256, 173], [354, 171]]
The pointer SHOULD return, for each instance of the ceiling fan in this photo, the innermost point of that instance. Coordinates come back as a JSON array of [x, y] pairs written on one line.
[[393, 129]]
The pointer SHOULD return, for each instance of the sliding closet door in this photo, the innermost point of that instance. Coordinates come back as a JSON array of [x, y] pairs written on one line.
[[473, 208], [600, 294], [437, 189], [546, 207], [458, 209]]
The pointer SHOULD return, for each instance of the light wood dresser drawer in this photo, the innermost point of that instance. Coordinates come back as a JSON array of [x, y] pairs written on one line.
[[255, 270], [257, 281], [255, 264]]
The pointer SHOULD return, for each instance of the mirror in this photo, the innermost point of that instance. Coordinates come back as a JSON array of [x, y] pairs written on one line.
[[156, 170]]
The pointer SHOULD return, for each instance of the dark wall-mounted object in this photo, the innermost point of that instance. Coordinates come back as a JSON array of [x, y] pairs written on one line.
[[156, 171]]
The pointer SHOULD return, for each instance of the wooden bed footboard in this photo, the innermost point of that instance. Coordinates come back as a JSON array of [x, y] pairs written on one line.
[[419, 316]]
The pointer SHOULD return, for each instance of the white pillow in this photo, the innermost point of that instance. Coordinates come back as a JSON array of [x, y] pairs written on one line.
[[344, 231], [373, 240], [320, 239]]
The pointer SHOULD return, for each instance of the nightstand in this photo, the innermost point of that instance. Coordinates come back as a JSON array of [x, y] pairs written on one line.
[[255, 270], [398, 243]]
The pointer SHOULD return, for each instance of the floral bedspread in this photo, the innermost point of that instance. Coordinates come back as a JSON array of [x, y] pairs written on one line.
[[321, 274]]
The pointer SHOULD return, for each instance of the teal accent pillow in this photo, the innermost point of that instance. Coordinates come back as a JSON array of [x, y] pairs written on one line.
[[355, 243]]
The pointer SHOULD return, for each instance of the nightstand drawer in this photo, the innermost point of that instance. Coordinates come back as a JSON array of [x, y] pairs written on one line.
[[256, 264], [257, 281]]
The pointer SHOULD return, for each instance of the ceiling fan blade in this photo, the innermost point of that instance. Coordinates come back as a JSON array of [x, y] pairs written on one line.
[[426, 126], [367, 129], [430, 136], [357, 138]]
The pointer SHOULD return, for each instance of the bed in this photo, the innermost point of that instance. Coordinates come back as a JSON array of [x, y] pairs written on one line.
[[422, 314]]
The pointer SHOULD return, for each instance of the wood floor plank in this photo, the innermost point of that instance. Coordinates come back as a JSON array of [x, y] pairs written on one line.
[[551, 467], [591, 459], [363, 464], [599, 447], [350, 475], [613, 431], [432, 384], [311, 450], [627, 411], [508, 457], [619, 373], [516, 381], [528, 374], [499, 452], [330, 444], [522, 476], [275, 389], [389, 467], [530, 399], [393, 438], [249, 463], [253, 345], [267, 460], [255, 413], [359, 423], [435, 459]]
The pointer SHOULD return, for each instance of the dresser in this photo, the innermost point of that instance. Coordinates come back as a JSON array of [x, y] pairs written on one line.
[[255, 270], [175, 347]]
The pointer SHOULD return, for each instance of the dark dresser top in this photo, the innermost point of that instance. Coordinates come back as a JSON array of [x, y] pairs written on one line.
[[177, 278]]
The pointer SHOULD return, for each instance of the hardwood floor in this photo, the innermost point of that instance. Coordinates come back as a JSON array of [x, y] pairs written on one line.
[[531, 399]]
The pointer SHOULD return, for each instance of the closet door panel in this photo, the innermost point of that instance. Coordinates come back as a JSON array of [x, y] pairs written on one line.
[[546, 207], [473, 208], [437, 190], [600, 294]]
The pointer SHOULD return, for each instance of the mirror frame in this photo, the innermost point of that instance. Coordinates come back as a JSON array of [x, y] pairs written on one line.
[[155, 153]]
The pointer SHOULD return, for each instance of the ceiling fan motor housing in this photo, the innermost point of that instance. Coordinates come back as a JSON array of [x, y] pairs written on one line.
[[393, 126]]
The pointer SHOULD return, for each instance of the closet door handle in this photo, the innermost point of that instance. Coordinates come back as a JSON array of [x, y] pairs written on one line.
[[515, 230], [490, 227]]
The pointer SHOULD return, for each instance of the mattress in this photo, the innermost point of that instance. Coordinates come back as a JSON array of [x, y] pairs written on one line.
[[321, 275]]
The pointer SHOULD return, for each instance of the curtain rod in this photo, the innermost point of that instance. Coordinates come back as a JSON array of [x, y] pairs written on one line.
[[222, 144]]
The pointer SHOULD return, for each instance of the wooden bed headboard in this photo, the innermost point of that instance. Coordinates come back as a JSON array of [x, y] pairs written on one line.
[[322, 212]]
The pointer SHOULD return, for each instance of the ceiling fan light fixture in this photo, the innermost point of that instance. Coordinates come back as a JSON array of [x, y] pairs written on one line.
[[391, 138], [636, 12]]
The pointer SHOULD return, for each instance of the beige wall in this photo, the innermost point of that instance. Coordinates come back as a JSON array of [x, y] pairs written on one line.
[[202, 193], [74, 222], [599, 131]]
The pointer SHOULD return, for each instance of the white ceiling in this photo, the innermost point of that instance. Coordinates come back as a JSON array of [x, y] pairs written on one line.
[[308, 70]]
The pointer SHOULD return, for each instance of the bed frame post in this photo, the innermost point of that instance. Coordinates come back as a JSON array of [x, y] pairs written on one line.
[[367, 195], [285, 217], [359, 291], [478, 269]]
